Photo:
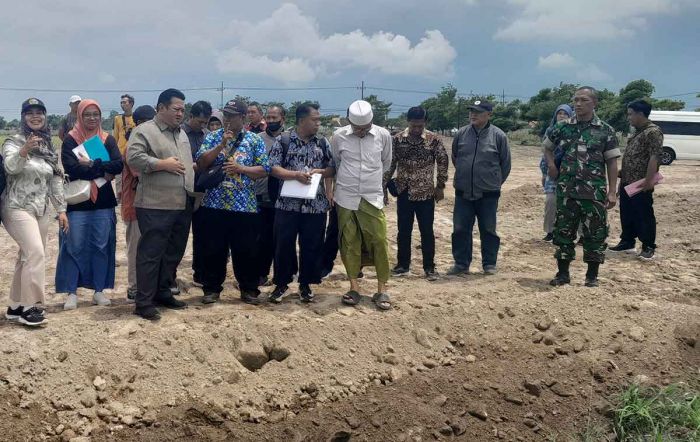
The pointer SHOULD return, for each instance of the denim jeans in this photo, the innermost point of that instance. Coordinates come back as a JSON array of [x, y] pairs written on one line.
[[465, 211]]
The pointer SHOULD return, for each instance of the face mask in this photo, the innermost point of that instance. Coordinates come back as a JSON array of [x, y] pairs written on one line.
[[274, 127]]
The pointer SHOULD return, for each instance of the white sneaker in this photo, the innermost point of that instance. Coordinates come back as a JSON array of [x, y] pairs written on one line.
[[99, 298], [71, 303]]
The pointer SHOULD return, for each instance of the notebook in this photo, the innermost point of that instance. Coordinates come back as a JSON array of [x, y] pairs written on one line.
[[636, 187], [96, 149], [295, 189]]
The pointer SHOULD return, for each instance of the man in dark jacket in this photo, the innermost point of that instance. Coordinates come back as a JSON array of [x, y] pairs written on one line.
[[481, 157]]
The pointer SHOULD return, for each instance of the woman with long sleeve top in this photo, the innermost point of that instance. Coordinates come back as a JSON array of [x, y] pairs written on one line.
[[33, 179], [87, 253]]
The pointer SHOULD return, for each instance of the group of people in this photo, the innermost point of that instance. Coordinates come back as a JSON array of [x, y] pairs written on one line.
[[227, 176]]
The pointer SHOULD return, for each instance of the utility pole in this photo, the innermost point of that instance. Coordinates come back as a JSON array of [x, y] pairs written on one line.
[[222, 95], [503, 97], [362, 90]]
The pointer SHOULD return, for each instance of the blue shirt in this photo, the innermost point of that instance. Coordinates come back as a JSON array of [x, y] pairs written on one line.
[[237, 193], [301, 156]]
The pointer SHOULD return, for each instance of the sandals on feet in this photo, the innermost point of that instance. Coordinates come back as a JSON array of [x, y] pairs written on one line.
[[382, 301], [351, 298]]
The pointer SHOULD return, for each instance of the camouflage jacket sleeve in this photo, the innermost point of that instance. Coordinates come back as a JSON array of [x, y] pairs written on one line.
[[611, 147], [553, 137]]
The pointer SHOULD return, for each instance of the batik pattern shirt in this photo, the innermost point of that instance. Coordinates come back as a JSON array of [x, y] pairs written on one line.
[[301, 157], [586, 147], [235, 193], [642, 144]]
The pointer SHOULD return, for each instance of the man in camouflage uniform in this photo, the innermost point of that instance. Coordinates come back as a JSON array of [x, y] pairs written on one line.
[[590, 150]]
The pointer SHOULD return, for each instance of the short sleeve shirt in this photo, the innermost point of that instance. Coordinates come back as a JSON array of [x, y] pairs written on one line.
[[641, 146], [301, 156], [235, 193], [586, 147]]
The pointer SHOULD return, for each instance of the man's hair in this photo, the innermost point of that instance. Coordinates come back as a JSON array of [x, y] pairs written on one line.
[[591, 89], [304, 110], [416, 113], [166, 97], [283, 111], [642, 106], [201, 109], [256, 105], [128, 97]]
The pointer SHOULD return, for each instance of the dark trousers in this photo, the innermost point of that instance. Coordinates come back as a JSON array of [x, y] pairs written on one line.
[[164, 235], [424, 212], [225, 231], [637, 218], [197, 224], [266, 243], [309, 228], [465, 211], [330, 243]]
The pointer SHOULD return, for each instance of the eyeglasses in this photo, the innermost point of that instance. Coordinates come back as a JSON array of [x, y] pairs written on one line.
[[91, 116]]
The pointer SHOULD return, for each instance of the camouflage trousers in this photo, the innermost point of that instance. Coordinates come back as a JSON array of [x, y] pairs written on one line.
[[592, 217]]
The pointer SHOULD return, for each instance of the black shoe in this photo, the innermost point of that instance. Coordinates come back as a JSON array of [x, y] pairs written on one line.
[[264, 281], [592, 274], [175, 291], [549, 237], [251, 297], [305, 293], [562, 277], [151, 313], [32, 317], [432, 275], [647, 253], [14, 314], [130, 294], [171, 303], [360, 275], [591, 282], [399, 271], [278, 294], [210, 298], [623, 247]]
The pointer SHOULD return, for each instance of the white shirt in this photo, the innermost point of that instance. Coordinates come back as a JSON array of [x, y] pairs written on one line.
[[360, 166]]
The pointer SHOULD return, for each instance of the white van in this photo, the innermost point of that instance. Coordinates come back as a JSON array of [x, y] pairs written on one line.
[[681, 135]]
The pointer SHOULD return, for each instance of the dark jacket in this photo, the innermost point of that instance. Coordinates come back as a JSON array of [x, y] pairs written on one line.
[[481, 160]]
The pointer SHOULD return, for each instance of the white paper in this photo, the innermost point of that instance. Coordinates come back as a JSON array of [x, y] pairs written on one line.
[[100, 182], [80, 151], [295, 189]]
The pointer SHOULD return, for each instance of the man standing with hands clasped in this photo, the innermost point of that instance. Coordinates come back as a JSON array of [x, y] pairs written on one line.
[[590, 150]]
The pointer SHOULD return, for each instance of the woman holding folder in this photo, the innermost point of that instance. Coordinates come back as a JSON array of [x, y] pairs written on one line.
[[87, 252]]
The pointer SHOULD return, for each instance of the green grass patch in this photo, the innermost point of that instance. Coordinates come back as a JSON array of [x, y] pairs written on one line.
[[650, 414]]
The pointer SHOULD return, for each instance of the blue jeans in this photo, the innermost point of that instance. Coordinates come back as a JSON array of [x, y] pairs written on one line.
[[484, 210]]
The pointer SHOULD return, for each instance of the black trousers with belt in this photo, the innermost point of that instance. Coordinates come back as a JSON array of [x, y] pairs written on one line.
[[637, 218], [224, 231], [424, 212], [309, 229], [164, 235], [266, 243]]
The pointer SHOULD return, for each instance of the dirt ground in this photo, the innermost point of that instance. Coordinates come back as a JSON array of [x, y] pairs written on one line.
[[504, 357]]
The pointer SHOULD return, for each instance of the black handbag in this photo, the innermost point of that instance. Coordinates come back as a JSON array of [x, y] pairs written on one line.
[[214, 175], [391, 187]]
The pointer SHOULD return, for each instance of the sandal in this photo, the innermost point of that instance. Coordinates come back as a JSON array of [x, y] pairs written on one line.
[[382, 301], [351, 298]]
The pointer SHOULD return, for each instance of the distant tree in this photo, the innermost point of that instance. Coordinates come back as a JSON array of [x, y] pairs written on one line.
[[541, 106], [12, 125], [507, 117], [380, 109], [108, 123], [443, 113], [291, 111], [3, 123], [54, 121]]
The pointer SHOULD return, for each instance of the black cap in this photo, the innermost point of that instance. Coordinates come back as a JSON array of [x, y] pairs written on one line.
[[235, 107], [144, 113], [33, 102], [481, 106]]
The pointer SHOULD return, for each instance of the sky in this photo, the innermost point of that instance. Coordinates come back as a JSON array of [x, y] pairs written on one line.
[[323, 50]]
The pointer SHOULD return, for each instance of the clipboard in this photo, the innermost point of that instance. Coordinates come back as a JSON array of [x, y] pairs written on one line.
[[295, 189]]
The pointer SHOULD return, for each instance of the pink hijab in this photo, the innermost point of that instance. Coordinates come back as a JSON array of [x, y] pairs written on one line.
[[79, 133]]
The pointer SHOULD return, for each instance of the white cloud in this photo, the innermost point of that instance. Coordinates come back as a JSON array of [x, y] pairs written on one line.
[[592, 20], [303, 54], [586, 72], [106, 78], [556, 60]]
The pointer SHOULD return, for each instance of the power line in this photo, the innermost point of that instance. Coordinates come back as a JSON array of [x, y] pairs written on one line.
[[679, 95]]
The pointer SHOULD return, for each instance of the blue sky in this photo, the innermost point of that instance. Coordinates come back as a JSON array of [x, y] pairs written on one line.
[[480, 46]]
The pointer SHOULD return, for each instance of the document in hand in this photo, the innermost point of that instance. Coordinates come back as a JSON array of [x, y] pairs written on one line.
[[96, 149], [295, 189], [636, 187]]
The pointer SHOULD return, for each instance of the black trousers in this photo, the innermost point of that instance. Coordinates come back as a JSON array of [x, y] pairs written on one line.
[[309, 228], [330, 243], [266, 243], [224, 231], [164, 235], [197, 224], [424, 212], [637, 218]]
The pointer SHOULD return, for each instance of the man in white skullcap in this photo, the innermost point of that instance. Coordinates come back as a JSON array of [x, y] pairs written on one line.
[[362, 153]]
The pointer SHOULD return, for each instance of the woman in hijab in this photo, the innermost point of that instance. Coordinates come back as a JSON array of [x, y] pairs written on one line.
[[216, 121], [562, 112], [33, 179], [87, 253]]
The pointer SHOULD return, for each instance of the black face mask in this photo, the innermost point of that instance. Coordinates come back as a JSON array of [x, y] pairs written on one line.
[[273, 127]]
